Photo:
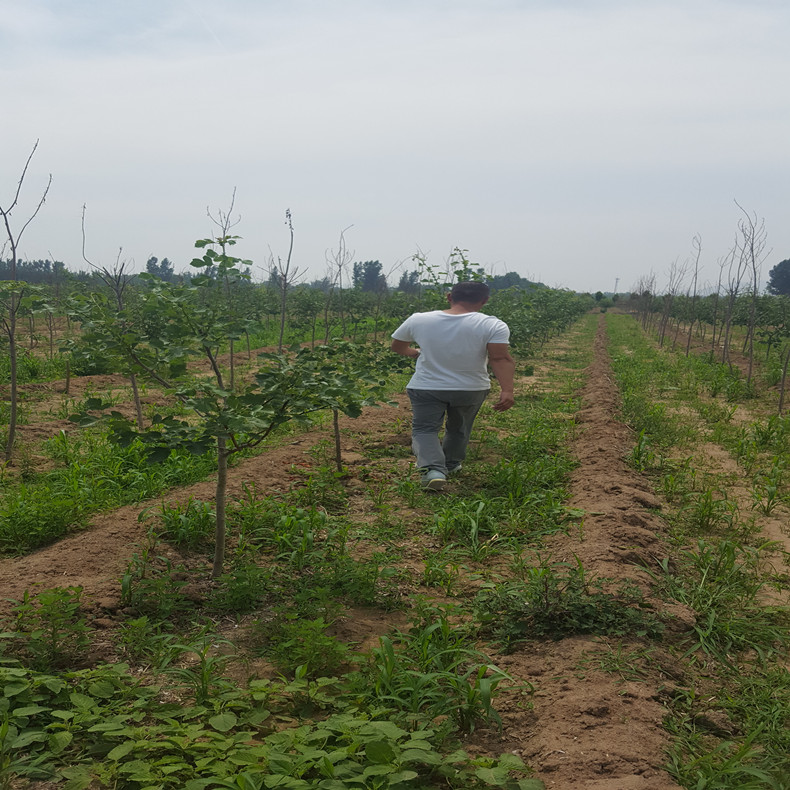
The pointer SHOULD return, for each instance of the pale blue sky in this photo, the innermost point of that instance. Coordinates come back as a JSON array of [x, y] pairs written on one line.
[[572, 142]]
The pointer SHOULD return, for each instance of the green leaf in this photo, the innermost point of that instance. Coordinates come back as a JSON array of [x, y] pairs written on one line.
[[223, 721], [419, 756], [121, 750], [29, 710], [492, 776], [511, 762], [379, 752], [82, 701], [78, 778], [402, 776], [102, 689], [58, 741], [14, 688]]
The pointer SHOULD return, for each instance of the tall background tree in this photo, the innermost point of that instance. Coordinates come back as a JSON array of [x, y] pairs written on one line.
[[779, 278], [369, 277]]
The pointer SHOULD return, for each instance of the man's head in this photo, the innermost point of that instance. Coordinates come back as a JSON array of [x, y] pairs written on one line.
[[469, 293]]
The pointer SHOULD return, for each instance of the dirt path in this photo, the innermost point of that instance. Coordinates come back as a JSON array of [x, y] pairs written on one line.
[[590, 729]]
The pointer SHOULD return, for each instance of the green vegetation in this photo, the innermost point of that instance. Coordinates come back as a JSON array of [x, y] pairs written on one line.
[[726, 718]]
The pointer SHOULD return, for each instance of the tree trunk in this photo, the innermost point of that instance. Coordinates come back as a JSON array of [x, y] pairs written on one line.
[[138, 406], [219, 531], [12, 360], [784, 380], [232, 365], [336, 426]]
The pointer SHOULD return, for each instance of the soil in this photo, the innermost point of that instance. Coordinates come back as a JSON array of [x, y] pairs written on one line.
[[582, 728]]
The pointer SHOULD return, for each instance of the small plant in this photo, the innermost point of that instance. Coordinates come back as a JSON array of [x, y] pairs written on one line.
[[305, 643], [642, 456], [410, 491], [49, 631], [203, 672], [187, 524], [153, 587], [766, 493], [241, 590], [439, 572], [432, 671], [144, 642], [709, 511], [323, 488]]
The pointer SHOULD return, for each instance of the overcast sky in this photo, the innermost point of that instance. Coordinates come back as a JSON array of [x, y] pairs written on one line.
[[576, 142]]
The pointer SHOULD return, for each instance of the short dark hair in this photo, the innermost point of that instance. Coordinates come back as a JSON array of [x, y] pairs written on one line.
[[470, 292]]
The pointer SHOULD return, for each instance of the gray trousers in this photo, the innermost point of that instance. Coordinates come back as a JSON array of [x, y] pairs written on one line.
[[429, 408]]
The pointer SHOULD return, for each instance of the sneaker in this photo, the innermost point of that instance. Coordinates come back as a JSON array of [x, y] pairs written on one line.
[[455, 469], [433, 480]]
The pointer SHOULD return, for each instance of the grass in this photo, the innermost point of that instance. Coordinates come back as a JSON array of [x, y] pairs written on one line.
[[732, 734]]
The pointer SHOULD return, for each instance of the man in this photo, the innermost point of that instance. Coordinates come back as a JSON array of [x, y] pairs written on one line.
[[451, 377]]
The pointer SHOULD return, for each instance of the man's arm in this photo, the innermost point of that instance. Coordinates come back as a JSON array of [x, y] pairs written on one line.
[[504, 367], [404, 348]]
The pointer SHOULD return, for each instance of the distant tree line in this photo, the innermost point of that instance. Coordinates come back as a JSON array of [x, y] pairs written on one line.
[[367, 276]]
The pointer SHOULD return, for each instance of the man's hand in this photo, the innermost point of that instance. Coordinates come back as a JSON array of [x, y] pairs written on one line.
[[504, 367], [506, 400], [404, 349]]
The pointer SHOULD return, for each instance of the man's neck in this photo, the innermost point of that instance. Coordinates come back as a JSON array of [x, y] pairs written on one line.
[[459, 308]]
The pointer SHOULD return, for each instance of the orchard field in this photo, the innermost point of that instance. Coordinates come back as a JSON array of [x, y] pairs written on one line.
[[597, 601]]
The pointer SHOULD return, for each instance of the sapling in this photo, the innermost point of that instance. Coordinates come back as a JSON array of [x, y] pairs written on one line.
[[191, 321]]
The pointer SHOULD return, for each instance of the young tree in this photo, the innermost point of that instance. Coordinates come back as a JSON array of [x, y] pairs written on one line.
[[284, 277], [337, 262], [696, 244], [752, 251], [191, 322], [117, 280], [676, 274], [15, 294]]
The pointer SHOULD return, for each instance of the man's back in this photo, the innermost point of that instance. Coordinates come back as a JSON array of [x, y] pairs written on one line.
[[453, 348]]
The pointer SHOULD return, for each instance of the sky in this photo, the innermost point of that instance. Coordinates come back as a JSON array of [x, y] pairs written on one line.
[[580, 143]]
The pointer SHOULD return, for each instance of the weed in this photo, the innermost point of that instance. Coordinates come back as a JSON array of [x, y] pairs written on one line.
[[628, 665], [189, 524], [436, 672], [709, 510], [204, 672], [410, 491], [152, 586], [144, 642], [439, 572], [721, 584], [766, 493], [306, 643], [557, 600], [49, 631], [323, 488], [642, 456], [241, 590]]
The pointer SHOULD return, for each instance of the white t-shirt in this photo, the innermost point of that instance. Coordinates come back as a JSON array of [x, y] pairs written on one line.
[[453, 353]]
